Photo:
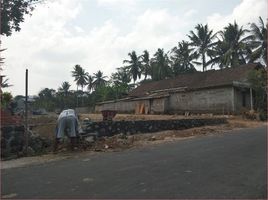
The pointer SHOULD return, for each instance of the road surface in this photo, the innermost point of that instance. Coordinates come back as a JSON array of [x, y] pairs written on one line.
[[229, 165]]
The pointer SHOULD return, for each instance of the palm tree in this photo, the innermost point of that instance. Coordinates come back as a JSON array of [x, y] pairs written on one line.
[[121, 76], [1, 59], [182, 58], [218, 55], [65, 86], [259, 42], [232, 49], [145, 64], [5, 84], [90, 80], [99, 80], [203, 41], [63, 93], [160, 65], [80, 77], [134, 66]]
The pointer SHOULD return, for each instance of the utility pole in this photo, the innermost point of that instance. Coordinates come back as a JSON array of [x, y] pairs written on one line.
[[26, 111]]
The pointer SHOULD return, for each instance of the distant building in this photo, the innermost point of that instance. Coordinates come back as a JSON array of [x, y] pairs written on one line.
[[214, 91], [20, 102]]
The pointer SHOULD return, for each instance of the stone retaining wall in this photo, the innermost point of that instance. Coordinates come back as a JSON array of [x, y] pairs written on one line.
[[110, 128], [12, 137], [13, 142]]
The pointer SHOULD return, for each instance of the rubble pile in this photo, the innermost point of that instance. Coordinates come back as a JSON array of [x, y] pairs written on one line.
[[13, 142], [118, 142]]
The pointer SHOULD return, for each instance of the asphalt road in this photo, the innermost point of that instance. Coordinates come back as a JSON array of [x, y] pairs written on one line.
[[231, 165]]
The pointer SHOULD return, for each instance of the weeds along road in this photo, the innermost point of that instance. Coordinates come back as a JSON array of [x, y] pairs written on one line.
[[230, 165]]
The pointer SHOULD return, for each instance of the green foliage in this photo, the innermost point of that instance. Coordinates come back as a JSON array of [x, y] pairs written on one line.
[[99, 80], [202, 41], [47, 99], [13, 13], [258, 80], [63, 93], [80, 76], [51, 100], [5, 84], [145, 64], [105, 93], [134, 66], [233, 48], [160, 66], [121, 76], [64, 89], [90, 84], [6, 99], [259, 42], [183, 58]]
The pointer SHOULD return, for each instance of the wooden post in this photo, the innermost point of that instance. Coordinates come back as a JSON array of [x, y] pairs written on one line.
[[251, 99], [26, 111]]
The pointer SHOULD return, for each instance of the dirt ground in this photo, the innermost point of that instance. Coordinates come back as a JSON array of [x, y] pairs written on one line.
[[46, 125], [118, 142], [131, 117]]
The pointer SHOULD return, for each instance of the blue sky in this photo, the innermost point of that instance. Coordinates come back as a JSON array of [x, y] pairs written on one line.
[[98, 34]]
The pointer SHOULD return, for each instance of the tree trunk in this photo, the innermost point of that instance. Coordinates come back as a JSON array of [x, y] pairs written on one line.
[[82, 96], [204, 62], [77, 96]]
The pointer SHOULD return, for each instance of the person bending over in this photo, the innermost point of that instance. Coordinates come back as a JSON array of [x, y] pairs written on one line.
[[67, 124]]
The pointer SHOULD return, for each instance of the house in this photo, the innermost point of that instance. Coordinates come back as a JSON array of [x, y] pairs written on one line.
[[222, 91]]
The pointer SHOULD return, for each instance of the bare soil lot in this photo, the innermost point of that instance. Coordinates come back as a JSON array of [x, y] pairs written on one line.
[[45, 125]]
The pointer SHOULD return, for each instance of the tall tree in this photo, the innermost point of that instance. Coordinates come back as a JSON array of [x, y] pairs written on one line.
[[64, 88], [47, 93], [121, 76], [145, 63], [203, 41], [160, 65], [5, 84], [90, 81], [258, 82], [134, 66], [63, 94], [100, 79], [232, 49], [121, 79], [13, 14], [47, 99], [260, 41], [6, 98], [182, 58], [80, 77]]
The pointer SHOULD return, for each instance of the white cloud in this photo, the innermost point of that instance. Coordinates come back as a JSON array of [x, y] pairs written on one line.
[[116, 2], [153, 29], [246, 12], [190, 13], [43, 31], [51, 42], [50, 48]]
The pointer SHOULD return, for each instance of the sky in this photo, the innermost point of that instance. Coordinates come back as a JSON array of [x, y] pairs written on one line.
[[99, 34]]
